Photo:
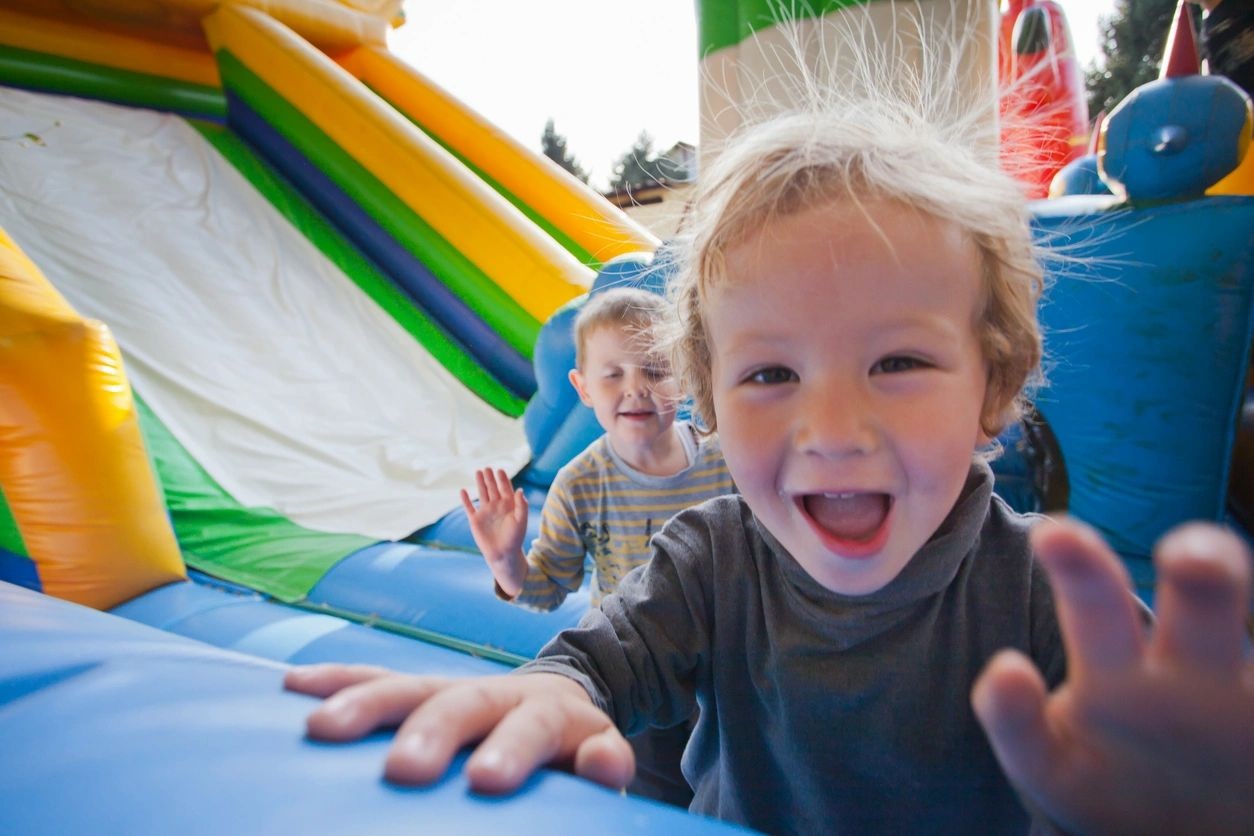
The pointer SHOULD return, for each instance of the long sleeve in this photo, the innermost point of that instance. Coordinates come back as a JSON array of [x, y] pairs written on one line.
[[555, 562]]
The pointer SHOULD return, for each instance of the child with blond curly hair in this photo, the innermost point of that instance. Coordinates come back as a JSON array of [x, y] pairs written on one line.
[[875, 640]]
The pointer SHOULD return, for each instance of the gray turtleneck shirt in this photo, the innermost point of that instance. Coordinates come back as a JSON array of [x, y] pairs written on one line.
[[821, 712]]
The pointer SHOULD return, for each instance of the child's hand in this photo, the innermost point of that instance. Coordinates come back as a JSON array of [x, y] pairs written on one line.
[[1150, 733], [499, 525], [524, 721]]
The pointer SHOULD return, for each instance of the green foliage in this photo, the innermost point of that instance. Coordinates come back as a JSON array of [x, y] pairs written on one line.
[[1132, 41], [553, 146], [641, 167]]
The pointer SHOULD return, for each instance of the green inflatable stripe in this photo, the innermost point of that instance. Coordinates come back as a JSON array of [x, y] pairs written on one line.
[[256, 547], [10, 538], [40, 71], [724, 23], [374, 284], [504, 315], [569, 244]]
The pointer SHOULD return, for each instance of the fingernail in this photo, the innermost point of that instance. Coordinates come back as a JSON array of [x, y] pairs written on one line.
[[1072, 565], [496, 762], [337, 705], [414, 746], [1209, 593]]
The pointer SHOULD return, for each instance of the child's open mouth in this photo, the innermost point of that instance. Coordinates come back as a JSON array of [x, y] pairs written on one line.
[[635, 416], [854, 524]]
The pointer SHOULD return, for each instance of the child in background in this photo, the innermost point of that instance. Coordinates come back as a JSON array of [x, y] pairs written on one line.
[[608, 501], [872, 644]]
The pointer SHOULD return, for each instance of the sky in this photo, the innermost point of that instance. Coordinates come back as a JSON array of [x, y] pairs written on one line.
[[603, 70]]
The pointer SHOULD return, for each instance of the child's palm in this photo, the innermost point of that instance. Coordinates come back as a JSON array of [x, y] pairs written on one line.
[[1148, 734], [499, 524], [523, 722]]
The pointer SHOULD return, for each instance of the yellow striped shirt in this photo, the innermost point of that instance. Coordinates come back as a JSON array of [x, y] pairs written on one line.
[[603, 512]]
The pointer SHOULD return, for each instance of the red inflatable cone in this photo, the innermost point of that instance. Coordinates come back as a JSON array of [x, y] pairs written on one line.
[[1180, 55]]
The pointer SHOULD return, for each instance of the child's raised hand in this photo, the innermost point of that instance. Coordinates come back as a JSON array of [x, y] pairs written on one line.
[[1150, 733], [524, 721], [499, 525]]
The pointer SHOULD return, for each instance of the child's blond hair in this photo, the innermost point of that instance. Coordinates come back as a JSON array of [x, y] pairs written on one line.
[[874, 151], [630, 308]]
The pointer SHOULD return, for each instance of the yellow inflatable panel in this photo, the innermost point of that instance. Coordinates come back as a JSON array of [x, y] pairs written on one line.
[[573, 207], [148, 51], [525, 262], [1241, 179], [72, 460], [330, 24]]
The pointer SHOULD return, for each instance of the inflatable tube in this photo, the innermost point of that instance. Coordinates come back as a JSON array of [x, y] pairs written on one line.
[[1044, 112], [148, 51], [439, 336], [329, 24], [750, 69], [589, 227], [533, 271], [112, 726], [510, 378], [1148, 325], [69, 431]]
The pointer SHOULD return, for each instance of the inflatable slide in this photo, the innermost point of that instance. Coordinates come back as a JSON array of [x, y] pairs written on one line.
[[327, 277], [267, 298]]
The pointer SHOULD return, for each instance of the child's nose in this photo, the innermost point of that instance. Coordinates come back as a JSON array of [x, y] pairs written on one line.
[[638, 383], [836, 422]]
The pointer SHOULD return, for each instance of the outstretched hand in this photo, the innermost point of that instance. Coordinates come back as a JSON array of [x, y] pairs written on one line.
[[524, 721], [499, 524], [1150, 733]]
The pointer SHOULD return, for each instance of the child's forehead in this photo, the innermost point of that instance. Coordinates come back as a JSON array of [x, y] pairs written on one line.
[[621, 337], [840, 231]]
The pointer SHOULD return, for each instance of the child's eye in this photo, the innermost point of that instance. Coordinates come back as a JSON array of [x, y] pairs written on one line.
[[772, 375], [657, 372], [898, 364]]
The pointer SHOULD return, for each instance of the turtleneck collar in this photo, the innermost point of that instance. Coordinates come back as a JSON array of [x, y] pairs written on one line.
[[850, 619]]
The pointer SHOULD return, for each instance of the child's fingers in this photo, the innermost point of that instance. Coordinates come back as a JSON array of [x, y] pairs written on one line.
[[359, 709], [541, 731], [445, 722], [1009, 700], [520, 506], [1202, 599], [504, 488], [486, 485], [468, 504], [1100, 625], [325, 680], [607, 759]]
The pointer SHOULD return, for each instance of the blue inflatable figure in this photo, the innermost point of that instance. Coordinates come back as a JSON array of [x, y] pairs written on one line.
[[1148, 323]]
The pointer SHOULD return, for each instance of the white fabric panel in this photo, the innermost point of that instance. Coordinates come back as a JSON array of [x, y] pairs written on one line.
[[285, 381]]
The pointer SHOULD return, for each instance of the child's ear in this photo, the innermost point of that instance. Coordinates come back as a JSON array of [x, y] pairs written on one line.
[[576, 380]]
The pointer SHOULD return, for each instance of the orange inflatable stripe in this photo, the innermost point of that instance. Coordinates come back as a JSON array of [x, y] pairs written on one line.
[[72, 460]]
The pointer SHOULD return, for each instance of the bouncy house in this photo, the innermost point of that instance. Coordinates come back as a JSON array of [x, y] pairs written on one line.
[[268, 296]]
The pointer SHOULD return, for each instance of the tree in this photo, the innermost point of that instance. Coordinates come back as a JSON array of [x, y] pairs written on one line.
[[1132, 41], [641, 167], [553, 146]]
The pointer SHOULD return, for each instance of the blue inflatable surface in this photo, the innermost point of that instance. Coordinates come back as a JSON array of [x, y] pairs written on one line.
[[109, 726]]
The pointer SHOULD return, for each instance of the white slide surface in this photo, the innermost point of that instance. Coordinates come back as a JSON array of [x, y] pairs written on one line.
[[289, 385]]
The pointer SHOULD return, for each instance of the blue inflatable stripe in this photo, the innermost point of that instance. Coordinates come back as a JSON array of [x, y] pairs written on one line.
[[157, 734], [283, 639], [411, 275], [20, 570], [441, 593]]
